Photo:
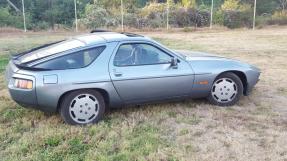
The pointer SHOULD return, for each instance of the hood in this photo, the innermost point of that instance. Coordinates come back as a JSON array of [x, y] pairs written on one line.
[[197, 55]]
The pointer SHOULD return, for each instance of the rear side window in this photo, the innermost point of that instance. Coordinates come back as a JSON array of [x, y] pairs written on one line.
[[75, 60]]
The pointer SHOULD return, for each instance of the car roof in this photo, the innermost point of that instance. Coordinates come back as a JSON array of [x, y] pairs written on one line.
[[104, 37]]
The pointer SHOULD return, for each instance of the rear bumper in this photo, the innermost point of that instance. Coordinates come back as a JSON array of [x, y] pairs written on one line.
[[25, 97]]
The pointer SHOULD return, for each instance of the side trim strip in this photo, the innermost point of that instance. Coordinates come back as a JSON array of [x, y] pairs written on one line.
[[89, 82], [154, 77]]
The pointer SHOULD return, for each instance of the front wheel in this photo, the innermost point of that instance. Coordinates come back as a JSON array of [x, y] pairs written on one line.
[[82, 107], [226, 90]]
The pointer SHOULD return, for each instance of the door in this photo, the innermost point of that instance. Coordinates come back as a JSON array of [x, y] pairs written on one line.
[[142, 72]]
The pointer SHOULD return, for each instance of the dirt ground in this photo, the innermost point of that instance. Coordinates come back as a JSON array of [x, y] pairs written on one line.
[[253, 129]]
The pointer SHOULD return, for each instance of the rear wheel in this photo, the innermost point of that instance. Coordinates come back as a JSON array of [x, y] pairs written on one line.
[[226, 90], [82, 107]]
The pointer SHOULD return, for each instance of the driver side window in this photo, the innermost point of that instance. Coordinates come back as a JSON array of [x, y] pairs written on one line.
[[140, 54]]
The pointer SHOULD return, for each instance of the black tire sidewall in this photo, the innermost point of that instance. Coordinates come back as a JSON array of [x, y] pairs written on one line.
[[237, 81], [65, 105]]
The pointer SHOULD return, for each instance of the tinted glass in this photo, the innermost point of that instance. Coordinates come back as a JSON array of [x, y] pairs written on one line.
[[140, 54], [50, 50], [71, 61]]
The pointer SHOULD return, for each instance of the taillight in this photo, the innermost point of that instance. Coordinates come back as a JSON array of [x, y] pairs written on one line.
[[23, 84]]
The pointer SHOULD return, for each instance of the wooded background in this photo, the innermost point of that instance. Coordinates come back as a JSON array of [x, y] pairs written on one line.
[[54, 14]]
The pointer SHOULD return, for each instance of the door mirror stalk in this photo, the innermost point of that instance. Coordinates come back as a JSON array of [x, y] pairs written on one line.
[[173, 62]]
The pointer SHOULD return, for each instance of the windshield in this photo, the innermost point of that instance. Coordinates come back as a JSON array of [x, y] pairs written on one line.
[[50, 50]]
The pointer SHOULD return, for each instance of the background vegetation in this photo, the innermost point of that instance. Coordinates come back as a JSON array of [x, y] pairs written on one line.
[[51, 14]]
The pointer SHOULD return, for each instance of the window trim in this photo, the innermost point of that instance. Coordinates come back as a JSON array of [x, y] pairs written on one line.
[[34, 65], [128, 43]]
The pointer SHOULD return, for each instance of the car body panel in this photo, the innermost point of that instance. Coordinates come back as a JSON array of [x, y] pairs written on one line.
[[192, 77], [202, 63], [144, 83]]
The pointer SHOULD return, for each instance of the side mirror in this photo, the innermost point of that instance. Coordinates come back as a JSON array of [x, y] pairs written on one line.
[[173, 62]]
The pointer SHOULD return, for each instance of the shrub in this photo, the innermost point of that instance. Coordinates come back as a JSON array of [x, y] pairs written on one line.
[[262, 20], [153, 15], [236, 19], [131, 20], [218, 17], [230, 5], [279, 17], [12, 20], [42, 25], [97, 16], [183, 17]]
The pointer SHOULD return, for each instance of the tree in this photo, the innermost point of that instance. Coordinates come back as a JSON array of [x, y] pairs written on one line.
[[283, 4]]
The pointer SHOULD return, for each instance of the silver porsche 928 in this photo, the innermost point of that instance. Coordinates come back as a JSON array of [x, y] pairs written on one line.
[[82, 76]]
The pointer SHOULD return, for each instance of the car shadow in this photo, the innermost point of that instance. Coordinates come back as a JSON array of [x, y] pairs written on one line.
[[185, 102]]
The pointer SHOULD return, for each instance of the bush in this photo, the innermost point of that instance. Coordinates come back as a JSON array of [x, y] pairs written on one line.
[[235, 19], [131, 20], [7, 19], [218, 17], [262, 20], [42, 25], [279, 18], [154, 15], [183, 17], [97, 16]]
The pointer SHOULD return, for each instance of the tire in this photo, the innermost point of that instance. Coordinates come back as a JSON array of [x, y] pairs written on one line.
[[226, 90], [82, 107]]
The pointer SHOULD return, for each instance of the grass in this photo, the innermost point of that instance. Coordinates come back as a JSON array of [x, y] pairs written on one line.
[[3, 62], [254, 129]]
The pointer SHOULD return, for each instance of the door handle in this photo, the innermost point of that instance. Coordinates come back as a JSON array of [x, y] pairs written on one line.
[[117, 74]]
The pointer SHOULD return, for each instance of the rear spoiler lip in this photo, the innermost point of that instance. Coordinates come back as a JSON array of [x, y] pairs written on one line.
[[24, 67], [16, 56]]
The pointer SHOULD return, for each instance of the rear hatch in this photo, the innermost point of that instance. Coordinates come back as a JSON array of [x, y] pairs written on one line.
[[22, 60]]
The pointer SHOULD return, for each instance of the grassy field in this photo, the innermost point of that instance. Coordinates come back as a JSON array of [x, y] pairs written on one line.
[[254, 129]]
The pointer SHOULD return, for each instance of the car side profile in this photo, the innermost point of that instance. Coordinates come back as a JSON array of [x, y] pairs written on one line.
[[82, 76]]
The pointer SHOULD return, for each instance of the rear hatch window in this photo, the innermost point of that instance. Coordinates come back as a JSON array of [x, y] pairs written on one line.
[[50, 50]]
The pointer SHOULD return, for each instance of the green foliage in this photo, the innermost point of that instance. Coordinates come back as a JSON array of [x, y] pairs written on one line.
[[7, 19], [234, 15], [218, 17], [236, 19], [11, 114], [3, 62], [266, 7], [42, 15], [279, 17], [153, 15], [188, 3], [95, 16], [53, 141], [230, 5], [76, 146], [190, 17]]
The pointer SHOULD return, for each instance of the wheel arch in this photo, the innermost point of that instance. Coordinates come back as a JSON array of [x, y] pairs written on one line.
[[242, 77], [103, 92]]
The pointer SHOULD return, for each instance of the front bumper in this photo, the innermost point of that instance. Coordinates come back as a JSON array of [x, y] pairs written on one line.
[[252, 81]]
